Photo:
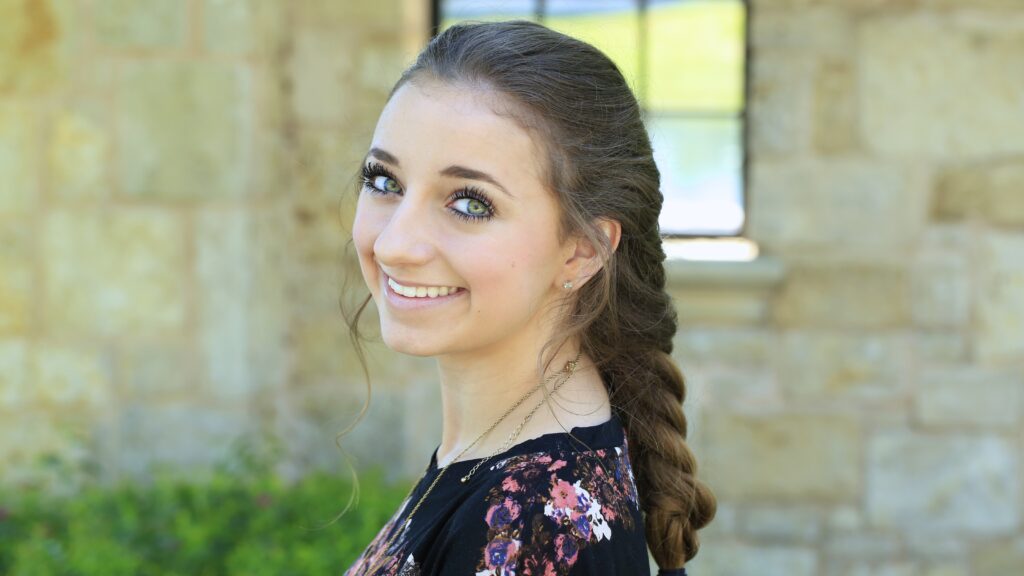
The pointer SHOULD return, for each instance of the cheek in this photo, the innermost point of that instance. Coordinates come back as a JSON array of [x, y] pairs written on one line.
[[510, 273]]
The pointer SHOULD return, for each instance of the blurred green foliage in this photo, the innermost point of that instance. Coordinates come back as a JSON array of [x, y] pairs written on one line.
[[241, 519]]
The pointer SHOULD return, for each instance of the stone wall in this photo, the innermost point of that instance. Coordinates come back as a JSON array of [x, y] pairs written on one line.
[[172, 259], [857, 393]]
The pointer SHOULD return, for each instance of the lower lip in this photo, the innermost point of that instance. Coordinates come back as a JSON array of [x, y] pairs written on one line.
[[406, 303]]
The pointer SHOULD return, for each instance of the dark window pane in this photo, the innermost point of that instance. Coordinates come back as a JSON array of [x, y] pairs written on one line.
[[612, 26], [695, 55], [701, 165]]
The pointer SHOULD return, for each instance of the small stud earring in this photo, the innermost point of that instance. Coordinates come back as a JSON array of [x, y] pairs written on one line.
[[567, 285]]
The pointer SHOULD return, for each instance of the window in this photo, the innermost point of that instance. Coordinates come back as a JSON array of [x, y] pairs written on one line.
[[686, 61]]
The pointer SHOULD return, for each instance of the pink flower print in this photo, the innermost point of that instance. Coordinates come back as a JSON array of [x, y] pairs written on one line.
[[501, 552], [545, 459], [509, 484], [566, 549], [558, 464], [563, 495], [501, 515]]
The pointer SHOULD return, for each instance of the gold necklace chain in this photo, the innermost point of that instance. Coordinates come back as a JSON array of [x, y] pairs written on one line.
[[570, 366]]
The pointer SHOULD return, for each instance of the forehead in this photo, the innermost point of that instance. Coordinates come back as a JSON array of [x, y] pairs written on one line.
[[431, 125]]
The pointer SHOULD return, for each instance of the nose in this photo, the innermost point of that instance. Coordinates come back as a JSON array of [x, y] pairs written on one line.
[[407, 236]]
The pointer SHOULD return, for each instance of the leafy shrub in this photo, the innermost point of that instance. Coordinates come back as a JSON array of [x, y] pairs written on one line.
[[241, 520]]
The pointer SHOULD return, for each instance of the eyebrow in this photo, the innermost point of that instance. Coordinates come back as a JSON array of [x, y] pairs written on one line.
[[453, 171]]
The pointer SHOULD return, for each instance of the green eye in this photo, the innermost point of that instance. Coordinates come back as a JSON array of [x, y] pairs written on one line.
[[389, 183], [480, 208]]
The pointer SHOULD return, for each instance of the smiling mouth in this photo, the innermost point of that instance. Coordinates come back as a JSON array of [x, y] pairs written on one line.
[[420, 291]]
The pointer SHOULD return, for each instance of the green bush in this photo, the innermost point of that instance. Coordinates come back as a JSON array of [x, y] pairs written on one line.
[[241, 520]]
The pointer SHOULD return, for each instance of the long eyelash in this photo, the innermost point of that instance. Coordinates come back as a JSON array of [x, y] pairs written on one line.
[[375, 169], [478, 195]]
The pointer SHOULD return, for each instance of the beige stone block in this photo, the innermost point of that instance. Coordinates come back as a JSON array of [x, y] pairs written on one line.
[[740, 390], [708, 307], [940, 346], [15, 380], [131, 24], [836, 208], [912, 486], [37, 42], [727, 556], [318, 239], [843, 297], [958, 569], [1006, 195], [835, 107], [118, 272], [781, 102], [867, 566], [799, 457], [940, 292], [861, 545], [223, 270], [823, 30], [998, 557], [845, 518], [949, 396], [838, 368], [950, 550], [75, 377], [327, 164], [185, 438], [782, 524], [999, 306], [355, 17], [908, 65], [989, 191], [16, 283], [323, 91], [725, 346], [242, 26], [184, 130], [157, 371], [19, 156], [79, 156]]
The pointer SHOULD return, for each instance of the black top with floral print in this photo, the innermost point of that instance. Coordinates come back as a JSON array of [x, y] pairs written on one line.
[[548, 506]]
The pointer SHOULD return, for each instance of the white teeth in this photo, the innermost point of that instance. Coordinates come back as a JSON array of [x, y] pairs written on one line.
[[422, 291]]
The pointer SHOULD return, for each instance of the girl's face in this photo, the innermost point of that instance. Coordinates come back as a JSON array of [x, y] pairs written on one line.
[[452, 198]]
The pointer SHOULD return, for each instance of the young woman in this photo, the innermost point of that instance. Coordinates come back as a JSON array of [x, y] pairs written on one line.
[[507, 223]]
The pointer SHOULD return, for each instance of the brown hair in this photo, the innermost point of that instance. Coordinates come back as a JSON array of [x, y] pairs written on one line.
[[600, 167]]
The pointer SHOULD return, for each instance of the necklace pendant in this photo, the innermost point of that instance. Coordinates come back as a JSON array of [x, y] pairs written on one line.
[[465, 478]]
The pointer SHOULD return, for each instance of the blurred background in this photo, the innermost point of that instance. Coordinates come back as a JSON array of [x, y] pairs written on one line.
[[844, 214]]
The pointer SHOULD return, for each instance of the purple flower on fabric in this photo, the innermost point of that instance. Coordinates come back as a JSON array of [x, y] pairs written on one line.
[[501, 515], [566, 548], [582, 525], [501, 551]]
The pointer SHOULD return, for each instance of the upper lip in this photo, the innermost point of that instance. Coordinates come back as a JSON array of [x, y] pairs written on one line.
[[404, 283]]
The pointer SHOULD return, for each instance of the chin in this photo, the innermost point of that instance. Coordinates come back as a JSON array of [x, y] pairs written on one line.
[[410, 343]]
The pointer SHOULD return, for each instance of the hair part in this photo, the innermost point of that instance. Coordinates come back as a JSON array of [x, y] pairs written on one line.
[[598, 165]]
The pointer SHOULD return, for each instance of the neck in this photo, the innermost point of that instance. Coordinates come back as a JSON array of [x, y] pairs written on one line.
[[476, 390]]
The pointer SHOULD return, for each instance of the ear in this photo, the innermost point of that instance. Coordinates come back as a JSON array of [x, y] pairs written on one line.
[[584, 260]]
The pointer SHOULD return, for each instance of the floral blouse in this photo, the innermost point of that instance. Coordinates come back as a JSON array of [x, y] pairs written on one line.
[[547, 506]]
